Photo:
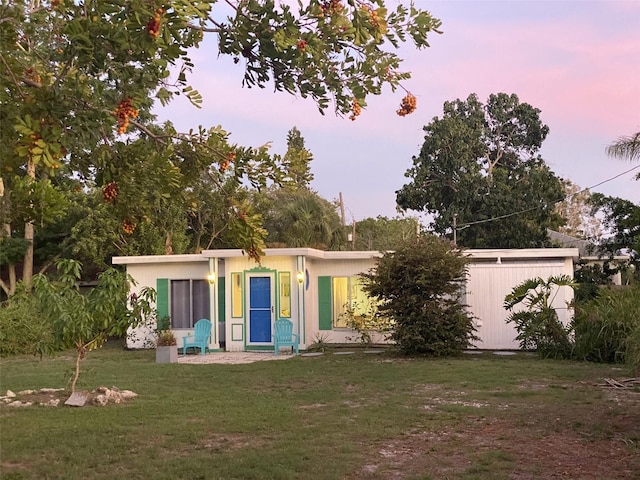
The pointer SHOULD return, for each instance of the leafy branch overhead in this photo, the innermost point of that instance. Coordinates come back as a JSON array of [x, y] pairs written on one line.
[[79, 80]]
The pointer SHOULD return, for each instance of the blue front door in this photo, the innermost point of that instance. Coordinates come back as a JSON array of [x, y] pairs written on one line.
[[260, 309]]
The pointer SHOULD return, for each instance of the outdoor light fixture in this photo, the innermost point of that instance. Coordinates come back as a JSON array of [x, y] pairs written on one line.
[[211, 278], [300, 277]]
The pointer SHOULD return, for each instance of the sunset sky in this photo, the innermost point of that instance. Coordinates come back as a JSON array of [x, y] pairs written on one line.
[[577, 61]]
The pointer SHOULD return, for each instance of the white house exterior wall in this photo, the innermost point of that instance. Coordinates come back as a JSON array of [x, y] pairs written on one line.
[[146, 274], [333, 268], [492, 275], [489, 283]]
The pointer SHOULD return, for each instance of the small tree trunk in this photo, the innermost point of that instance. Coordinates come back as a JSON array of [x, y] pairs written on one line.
[[27, 268], [168, 244], [80, 354], [6, 229]]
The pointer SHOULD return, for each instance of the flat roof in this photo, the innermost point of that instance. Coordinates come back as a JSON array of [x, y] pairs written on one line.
[[526, 253]]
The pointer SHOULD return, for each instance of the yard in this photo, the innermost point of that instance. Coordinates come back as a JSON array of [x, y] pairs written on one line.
[[357, 416]]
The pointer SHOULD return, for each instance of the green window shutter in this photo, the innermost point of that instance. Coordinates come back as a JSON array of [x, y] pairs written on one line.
[[162, 297], [221, 301], [324, 303]]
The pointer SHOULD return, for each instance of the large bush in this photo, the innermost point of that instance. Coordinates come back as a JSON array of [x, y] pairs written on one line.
[[607, 329], [538, 325], [419, 286], [23, 328]]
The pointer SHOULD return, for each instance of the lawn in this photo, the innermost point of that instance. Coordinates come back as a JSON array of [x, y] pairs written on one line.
[[357, 416]]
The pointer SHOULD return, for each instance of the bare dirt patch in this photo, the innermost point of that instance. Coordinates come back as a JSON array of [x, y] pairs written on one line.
[[599, 440]]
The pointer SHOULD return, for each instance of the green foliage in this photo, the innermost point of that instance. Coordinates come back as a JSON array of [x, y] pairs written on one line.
[[607, 329], [79, 79], [382, 233], [324, 50], [538, 326], [85, 322], [23, 327], [320, 343], [418, 287], [12, 249], [622, 218], [589, 278], [626, 148], [299, 217], [480, 162], [365, 320], [296, 160]]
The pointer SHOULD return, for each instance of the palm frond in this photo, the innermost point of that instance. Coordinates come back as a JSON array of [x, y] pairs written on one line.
[[626, 148]]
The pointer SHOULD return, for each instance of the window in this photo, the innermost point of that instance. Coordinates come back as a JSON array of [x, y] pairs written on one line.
[[189, 302], [348, 296], [285, 295], [236, 295]]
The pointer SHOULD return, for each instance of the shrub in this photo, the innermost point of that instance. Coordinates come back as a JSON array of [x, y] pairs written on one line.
[[589, 278], [23, 328], [418, 286], [538, 326], [607, 329]]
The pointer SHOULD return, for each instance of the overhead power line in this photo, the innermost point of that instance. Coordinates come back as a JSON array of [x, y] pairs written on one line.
[[493, 219]]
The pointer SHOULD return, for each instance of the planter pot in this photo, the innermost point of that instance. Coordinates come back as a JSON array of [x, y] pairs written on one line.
[[167, 354]]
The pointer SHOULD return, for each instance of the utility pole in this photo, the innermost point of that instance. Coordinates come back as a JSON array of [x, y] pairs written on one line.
[[344, 224], [455, 229]]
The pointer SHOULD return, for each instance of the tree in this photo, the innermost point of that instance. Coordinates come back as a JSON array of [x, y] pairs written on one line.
[[78, 80], [538, 326], [418, 286], [626, 148], [575, 209], [479, 166], [296, 161], [622, 219], [382, 233], [299, 217], [85, 322]]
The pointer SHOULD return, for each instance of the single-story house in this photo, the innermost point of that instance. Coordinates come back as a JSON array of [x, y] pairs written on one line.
[[313, 288]]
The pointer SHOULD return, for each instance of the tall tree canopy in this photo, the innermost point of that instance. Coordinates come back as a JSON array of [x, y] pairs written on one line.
[[576, 210], [296, 161], [479, 166], [78, 80], [299, 217], [382, 233], [621, 219]]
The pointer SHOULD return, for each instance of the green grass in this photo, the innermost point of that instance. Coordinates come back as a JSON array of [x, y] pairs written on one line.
[[328, 417]]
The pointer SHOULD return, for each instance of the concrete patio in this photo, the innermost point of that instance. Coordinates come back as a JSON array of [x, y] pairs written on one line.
[[233, 358]]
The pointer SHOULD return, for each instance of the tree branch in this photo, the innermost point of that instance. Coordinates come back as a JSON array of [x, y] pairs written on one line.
[[15, 80]]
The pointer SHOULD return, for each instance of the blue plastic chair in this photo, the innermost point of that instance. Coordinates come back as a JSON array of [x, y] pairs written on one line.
[[283, 335], [200, 337]]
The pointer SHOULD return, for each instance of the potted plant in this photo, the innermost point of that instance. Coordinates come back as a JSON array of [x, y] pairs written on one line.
[[166, 343]]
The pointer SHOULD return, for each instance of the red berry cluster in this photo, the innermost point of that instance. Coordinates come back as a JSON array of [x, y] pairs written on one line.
[[231, 156], [330, 7], [407, 106], [253, 254], [110, 192], [124, 111], [356, 109], [31, 74], [153, 25], [128, 226], [302, 45]]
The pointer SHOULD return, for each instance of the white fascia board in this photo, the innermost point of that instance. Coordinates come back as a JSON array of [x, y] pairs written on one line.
[[523, 253], [526, 253], [295, 252], [604, 258], [146, 259]]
